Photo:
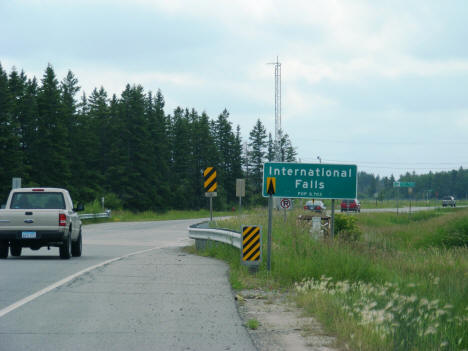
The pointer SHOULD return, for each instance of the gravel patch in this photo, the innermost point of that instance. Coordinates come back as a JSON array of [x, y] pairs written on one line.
[[281, 325]]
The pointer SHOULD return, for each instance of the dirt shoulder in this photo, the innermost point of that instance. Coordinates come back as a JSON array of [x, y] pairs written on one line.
[[281, 325]]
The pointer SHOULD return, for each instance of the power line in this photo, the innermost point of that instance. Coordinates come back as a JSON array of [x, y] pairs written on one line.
[[373, 142], [391, 162]]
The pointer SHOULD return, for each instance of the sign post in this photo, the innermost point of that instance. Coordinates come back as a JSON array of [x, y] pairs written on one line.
[[271, 190], [399, 185], [332, 224], [240, 191], [210, 184], [285, 204]]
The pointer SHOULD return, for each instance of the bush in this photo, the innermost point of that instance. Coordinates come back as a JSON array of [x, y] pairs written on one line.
[[346, 228], [113, 202], [455, 233]]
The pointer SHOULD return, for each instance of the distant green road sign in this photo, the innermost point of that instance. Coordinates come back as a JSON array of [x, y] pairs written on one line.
[[404, 184], [310, 180]]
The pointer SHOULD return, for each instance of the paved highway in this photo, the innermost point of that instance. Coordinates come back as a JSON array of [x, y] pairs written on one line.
[[133, 289]]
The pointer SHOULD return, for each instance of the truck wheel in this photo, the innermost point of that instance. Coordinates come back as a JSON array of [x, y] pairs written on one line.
[[3, 249], [76, 246], [15, 250], [65, 248]]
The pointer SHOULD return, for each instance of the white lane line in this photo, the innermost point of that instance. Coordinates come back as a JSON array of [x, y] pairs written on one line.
[[51, 287]]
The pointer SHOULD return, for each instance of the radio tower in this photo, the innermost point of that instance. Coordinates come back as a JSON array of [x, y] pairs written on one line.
[[277, 97]]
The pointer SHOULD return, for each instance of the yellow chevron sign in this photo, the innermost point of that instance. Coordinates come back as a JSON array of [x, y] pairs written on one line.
[[271, 185], [251, 248], [210, 183]]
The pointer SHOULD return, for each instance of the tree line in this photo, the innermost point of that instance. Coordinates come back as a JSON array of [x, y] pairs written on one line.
[[126, 148], [427, 186]]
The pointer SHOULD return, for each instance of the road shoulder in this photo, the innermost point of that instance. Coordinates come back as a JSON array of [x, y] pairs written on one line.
[[281, 325]]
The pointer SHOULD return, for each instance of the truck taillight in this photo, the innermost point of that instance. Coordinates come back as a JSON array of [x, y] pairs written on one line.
[[62, 220]]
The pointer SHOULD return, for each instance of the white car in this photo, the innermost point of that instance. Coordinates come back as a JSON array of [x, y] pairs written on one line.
[[448, 201]]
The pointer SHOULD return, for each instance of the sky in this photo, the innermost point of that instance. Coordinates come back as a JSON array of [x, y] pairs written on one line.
[[380, 84]]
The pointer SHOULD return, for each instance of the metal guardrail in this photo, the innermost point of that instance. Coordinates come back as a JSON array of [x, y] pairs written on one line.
[[106, 214], [203, 235]]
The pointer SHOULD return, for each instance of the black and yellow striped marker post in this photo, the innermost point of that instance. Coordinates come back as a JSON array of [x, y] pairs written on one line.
[[251, 245], [210, 184]]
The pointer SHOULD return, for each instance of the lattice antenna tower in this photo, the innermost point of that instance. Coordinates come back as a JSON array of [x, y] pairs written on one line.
[[277, 97]]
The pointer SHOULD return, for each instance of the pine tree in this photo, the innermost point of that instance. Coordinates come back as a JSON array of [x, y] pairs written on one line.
[[29, 122], [137, 191], [257, 153], [159, 164], [270, 149], [68, 90], [10, 155], [51, 144], [226, 144], [284, 150]]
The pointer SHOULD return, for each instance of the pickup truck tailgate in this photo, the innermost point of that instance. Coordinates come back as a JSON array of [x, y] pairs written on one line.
[[35, 219]]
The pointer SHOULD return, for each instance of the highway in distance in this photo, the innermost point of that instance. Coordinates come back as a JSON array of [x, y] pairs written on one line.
[[141, 292]]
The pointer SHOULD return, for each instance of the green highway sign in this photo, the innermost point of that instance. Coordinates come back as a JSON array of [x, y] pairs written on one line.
[[404, 184], [309, 180]]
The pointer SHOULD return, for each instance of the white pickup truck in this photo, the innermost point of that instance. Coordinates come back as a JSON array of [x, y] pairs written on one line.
[[38, 217]]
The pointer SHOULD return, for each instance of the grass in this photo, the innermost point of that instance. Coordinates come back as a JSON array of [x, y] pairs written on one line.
[[129, 216], [253, 324], [402, 286]]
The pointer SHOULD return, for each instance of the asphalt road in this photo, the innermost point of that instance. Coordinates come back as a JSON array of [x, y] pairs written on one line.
[[141, 292]]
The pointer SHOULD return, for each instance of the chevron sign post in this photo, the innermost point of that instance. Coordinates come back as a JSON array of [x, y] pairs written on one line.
[[211, 185]]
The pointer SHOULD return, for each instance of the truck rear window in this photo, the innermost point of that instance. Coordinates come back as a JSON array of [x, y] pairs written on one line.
[[41, 201]]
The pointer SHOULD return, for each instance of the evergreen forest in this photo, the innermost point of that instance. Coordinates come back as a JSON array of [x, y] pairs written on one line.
[[128, 150], [125, 149]]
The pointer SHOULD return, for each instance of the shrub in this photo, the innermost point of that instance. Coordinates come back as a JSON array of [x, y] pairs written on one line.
[[455, 233], [112, 201], [346, 228]]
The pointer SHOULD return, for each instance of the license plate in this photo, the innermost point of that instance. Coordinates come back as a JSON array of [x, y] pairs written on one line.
[[28, 235]]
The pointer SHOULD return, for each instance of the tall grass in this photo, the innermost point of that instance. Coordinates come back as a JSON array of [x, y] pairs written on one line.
[[405, 281]]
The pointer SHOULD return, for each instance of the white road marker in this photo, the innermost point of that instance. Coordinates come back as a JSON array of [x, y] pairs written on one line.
[[51, 287]]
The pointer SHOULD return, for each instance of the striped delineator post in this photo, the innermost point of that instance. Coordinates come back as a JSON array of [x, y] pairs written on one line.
[[251, 245], [211, 185]]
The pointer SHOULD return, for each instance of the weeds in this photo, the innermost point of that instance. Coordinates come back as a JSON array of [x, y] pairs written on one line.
[[402, 285], [253, 324]]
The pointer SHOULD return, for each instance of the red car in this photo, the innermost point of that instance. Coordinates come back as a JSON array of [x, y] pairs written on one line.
[[351, 205]]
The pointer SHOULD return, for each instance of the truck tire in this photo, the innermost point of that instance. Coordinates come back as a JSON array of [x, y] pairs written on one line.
[[15, 250], [3, 249], [76, 246], [65, 248]]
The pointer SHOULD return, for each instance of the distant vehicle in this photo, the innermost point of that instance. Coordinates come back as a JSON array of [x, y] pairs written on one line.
[[316, 206], [38, 217], [351, 205], [448, 201]]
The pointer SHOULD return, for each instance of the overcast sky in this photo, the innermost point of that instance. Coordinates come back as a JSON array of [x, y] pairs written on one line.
[[380, 84]]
